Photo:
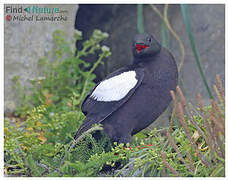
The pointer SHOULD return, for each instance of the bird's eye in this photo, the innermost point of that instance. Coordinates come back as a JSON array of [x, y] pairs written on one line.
[[149, 39]]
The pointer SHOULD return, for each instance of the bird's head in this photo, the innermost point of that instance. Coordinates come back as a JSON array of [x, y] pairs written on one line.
[[144, 45]]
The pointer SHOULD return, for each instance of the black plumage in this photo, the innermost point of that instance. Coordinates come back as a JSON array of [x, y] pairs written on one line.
[[155, 75]]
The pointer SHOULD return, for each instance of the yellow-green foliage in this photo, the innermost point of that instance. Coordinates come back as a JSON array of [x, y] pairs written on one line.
[[193, 148], [49, 113], [89, 146]]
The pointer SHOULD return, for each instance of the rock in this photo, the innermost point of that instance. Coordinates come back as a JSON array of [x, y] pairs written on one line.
[[209, 31], [26, 41]]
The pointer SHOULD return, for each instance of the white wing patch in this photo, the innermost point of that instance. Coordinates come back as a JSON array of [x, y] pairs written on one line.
[[115, 88]]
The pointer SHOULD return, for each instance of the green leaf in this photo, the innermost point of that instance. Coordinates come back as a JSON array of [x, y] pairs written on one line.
[[32, 166], [140, 24]]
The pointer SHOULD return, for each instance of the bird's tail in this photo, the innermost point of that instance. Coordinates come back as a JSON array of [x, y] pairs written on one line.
[[86, 126], [80, 131]]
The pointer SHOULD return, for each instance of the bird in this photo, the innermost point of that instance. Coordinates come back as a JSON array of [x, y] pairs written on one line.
[[131, 98]]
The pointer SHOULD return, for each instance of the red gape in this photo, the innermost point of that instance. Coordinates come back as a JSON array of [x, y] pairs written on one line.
[[140, 46]]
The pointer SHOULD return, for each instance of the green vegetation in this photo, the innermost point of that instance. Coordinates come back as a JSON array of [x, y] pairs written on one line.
[[140, 25], [49, 114], [39, 141], [57, 88], [193, 148]]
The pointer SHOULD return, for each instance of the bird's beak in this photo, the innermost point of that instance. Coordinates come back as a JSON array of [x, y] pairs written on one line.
[[140, 46]]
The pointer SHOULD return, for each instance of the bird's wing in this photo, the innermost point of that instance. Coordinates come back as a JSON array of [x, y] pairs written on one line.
[[108, 95]]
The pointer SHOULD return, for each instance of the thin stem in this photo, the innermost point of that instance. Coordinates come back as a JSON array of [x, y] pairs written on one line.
[[87, 79], [131, 162], [25, 159], [169, 27], [140, 24]]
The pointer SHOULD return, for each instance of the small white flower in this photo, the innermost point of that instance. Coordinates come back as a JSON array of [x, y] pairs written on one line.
[[98, 46], [97, 31], [105, 35], [105, 48], [41, 78]]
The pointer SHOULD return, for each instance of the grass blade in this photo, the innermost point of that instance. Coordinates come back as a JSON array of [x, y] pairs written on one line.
[[185, 13], [140, 24]]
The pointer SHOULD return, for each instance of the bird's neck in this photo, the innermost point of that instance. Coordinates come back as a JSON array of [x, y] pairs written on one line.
[[144, 60]]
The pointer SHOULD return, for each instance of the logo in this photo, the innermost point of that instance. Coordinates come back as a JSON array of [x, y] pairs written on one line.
[[11, 9], [8, 17], [41, 10], [33, 9], [27, 9], [34, 13]]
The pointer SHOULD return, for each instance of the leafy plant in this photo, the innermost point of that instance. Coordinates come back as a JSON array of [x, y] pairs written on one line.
[[49, 114], [195, 148], [66, 80]]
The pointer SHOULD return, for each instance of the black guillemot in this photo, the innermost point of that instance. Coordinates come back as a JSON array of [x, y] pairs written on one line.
[[131, 98]]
